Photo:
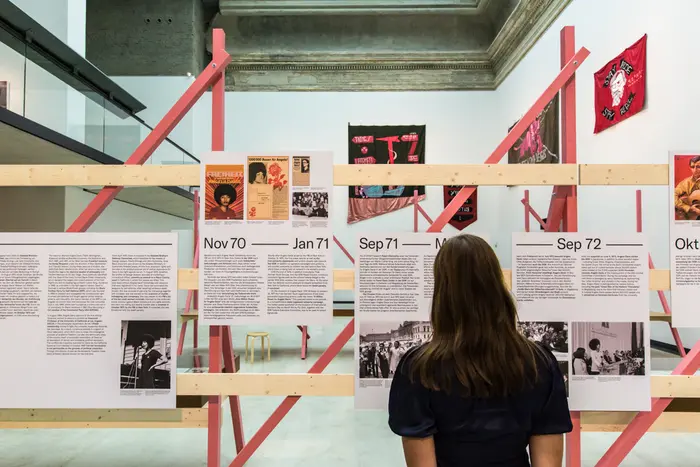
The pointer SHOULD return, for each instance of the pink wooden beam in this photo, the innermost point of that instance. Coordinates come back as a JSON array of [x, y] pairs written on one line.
[[191, 294], [304, 341], [220, 338], [342, 248], [415, 210], [234, 401], [195, 260], [526, 203], [181, 343], [567, 213], [283, 409], [161, 131], [214, 407], [530, 210], [644, 420], [564, 75], [662, 296], [424, 214]]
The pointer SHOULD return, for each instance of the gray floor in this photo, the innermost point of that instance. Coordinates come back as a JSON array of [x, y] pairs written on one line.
[[318, 432]]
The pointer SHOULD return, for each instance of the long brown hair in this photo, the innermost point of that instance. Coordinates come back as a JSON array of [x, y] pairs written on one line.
[[476, 349]]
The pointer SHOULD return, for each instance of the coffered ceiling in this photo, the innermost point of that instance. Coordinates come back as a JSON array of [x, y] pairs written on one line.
[[378, 45]]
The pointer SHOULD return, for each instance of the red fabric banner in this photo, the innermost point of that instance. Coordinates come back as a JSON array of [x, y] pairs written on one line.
[[620, 86], [467, 212]]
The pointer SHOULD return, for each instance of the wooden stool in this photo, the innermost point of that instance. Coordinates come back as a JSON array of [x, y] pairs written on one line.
[[262, 336]]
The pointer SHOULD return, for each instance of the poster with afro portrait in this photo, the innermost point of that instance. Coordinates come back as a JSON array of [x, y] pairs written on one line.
[[223, 192]]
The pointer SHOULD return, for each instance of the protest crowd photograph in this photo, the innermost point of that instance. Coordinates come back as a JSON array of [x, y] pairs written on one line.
[[552, 334], [309, 204], [382, 344]]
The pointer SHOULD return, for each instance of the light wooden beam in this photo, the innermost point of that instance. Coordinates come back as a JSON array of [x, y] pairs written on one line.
[[265, 384], [623, 174], [99, 175], [431, 174], [344, 279], [331, 385], [337, 385], [113, 418], [668, 422], [345, 175]]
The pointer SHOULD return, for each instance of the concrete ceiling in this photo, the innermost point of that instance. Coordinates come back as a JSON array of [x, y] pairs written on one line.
[[377, 45], [20, 147]]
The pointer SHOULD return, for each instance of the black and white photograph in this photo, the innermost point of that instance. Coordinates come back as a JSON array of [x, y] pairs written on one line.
[[606, 348], [309, 204], [564, 368], [552, 334], [145, 348], [382, 344]]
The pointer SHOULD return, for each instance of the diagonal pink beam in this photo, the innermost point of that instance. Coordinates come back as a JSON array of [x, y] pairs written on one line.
[[644, 420], [641, 423], [662, 296], [424, 214], [100, 202], [342, 248], [530, 210], [564, 75], [190, 293]]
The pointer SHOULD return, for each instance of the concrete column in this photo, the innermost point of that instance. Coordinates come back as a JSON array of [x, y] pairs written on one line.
[[146, 38]]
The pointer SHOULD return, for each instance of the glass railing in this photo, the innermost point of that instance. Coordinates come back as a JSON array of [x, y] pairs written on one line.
[[68, 106]]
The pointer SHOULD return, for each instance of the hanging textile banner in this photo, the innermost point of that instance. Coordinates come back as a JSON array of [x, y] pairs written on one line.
[[620, 86], [539, 144], [466, 215], [383, 145]]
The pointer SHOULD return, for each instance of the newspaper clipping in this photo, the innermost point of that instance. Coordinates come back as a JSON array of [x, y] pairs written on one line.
[[94, 314], [393, 292], [563, 283], [272, 267]]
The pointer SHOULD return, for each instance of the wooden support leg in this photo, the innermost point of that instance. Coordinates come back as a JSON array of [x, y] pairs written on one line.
[[214, 408], [304, 341], [234, 401]]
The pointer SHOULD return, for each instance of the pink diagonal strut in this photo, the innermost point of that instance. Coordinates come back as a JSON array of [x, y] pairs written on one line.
[[415, 210], [161, 131], [342, 248], [530, 210], [526, 202], [564, 75], [662, 296]]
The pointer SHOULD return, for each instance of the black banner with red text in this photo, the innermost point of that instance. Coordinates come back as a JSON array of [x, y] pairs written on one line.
[[383, 145]]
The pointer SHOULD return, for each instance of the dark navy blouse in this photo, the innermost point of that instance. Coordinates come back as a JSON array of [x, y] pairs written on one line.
[[480, 432]]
